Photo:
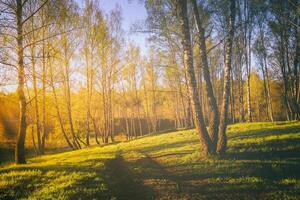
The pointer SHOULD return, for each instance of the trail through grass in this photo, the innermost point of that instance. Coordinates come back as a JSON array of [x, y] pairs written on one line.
[[263, 162]]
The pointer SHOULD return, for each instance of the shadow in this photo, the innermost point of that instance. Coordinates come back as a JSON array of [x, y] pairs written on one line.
[[122, 181], [264, 132], [229, 182], [164, 184], [6, 154], [167, 145], [271, 150]]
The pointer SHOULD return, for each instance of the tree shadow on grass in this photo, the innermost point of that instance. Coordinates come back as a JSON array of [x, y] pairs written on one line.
[[245, 181], [164, 184], [264, 132], [122, 182], [168, 184], [167, 145], [282, 149]]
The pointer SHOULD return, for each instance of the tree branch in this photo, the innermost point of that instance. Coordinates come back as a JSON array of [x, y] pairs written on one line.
[[38, 28], [49, 37], [32, 14], [8, 5], [8, 64]]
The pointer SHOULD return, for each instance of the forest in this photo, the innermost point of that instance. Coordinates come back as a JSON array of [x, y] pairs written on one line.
[[220, 76]]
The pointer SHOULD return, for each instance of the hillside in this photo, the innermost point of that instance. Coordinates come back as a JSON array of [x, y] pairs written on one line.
[[263, 162]]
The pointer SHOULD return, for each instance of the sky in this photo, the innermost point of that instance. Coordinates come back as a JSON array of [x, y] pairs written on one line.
[[133, 11]]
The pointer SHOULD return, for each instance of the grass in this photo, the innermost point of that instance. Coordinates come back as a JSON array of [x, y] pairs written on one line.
[[263, 162]]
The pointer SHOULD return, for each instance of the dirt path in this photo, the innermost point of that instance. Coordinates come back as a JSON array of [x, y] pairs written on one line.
[[123, 183]]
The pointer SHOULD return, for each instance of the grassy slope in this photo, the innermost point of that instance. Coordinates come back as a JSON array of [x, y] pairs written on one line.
[[263, 162]]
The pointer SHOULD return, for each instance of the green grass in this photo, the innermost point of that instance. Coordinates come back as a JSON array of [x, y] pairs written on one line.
[[263, 162]]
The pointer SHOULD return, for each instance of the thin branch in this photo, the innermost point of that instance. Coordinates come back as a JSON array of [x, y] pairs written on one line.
[[8, 64], [207, 36], [213, 47], [7, 34], [37, 10], [38, 28], [5, 11], [8, 26], [8, 5], [49, 37], [25, 1]]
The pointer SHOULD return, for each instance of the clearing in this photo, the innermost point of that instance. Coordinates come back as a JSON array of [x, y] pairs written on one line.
[[263, 162]]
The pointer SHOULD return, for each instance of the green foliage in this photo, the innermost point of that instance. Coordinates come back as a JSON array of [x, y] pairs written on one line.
[[262, 162]]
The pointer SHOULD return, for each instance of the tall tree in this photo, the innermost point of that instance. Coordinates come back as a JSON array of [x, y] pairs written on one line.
[[34, 81], [68, 21], [222, 139], [18, 12], [89, 46], [181, 8], [20, 149], [214, 116]]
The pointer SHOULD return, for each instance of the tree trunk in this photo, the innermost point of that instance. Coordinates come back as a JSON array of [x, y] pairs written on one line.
[[247, 50], [87, 100], [268, 90], [188, 63], [240, 84], [68, 102], [147, 106], [232, 99], [188, 109], [33, 140], [58, 110], [284, 77], [43, 94], [37, 116], [214, 115], [296, 95], [112, 118], [127, 125], [296, 63], [96, 130], [222, 139], [249, 99], [35, 89], [20, 146], [183, 105]]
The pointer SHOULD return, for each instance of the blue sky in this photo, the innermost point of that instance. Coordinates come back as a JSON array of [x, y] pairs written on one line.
[[133, 11]]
